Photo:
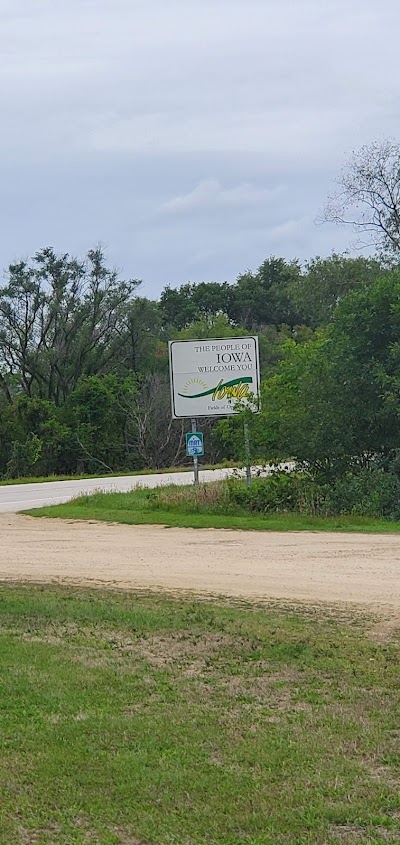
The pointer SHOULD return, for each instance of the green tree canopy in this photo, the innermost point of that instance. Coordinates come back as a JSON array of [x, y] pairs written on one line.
[[335, 402], [326, 281], [60, 319]]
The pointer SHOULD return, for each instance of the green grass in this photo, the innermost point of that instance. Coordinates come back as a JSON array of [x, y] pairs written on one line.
[[131, 718], [167, 506]]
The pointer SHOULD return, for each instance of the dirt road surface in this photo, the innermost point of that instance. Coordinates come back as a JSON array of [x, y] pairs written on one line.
[[302, 566]]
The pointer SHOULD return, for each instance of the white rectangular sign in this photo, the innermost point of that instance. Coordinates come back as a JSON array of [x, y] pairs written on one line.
[[210, 377]]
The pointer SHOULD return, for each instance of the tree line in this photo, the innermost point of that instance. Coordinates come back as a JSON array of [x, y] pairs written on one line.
[[84, 385]]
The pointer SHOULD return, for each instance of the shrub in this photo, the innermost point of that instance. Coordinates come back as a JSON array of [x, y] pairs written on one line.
[[24, 457], [368, 492], [279, 492], [207, 498], [365, 492]]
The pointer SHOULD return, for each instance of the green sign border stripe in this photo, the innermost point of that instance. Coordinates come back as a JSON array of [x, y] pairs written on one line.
[[244, 379]]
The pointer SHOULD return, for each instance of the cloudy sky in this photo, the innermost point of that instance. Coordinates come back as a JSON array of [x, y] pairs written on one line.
[[192, 138]]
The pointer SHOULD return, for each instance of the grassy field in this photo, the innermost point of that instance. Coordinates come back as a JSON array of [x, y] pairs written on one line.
[[132, 718], [178, 507]]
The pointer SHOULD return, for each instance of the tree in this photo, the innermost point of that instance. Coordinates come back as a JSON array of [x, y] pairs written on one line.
[[255, 300], [34, 440], [368, 196], [264, 297], [318, 291], [273, 344], [208, 327], [60, 319], [146, 349], [365, 355], [334, 403], [182, 306], [96, 414], [301, 416], [158, 438]]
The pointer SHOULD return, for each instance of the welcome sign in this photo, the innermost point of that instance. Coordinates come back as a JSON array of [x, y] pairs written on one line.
[[210, 377]]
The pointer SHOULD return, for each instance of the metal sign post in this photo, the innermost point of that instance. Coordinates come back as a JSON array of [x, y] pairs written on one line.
[[195, 458], [247, 453]]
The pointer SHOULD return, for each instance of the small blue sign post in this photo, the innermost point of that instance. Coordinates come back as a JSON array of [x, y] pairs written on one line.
[[194, 444], [194, 448]]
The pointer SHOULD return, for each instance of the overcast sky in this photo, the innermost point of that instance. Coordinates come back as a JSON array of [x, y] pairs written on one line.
[[192, 138]]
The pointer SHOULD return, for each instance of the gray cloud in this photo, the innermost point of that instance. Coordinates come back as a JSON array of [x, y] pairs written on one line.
[[193, 139], [210, 195]]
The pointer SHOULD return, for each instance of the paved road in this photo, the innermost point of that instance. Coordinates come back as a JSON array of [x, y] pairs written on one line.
[[17, 497]]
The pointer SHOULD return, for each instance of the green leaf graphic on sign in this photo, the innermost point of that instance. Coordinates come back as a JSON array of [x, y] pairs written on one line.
[[220, 386]]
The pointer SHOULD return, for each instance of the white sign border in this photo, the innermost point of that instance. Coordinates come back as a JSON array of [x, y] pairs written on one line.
[[210, 340]]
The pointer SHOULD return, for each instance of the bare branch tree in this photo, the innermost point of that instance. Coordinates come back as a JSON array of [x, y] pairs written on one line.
[[90, 456], [368, 195], [158, 438]]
